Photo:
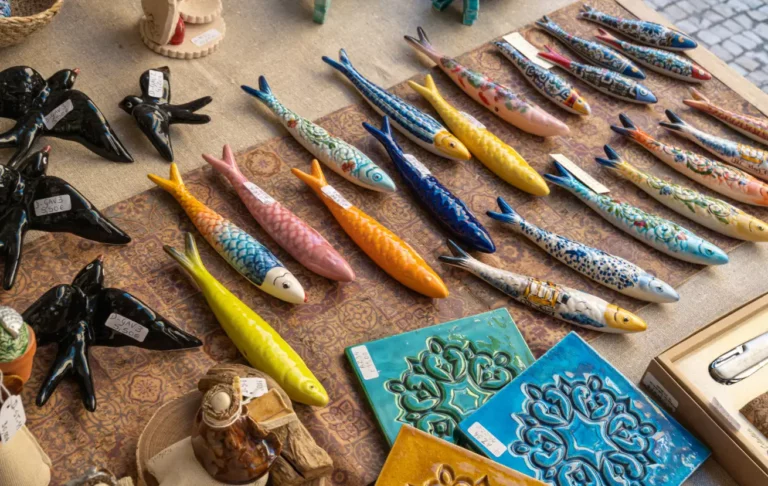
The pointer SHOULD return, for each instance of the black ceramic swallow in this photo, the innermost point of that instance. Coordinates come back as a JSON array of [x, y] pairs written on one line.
[[52, 108], [32, 200], [85, 314], [155, 114]]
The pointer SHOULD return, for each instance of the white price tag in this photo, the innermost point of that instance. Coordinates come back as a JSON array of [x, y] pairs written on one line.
[[365, 362], [53, 205], [259, 193], [336, 196], [253, 387], [130, 328], [51, 119], [527, 49], [155, 88], [485, 437], [579, 173], [206, 37], [660, 392], [420, 168], [472, 120], [12, 418]]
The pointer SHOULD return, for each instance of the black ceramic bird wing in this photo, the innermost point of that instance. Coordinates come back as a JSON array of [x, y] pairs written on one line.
[[13, 226], [155, 123], [186, 113], [59, 207], [19, 86], [123, 320], [156, 84], [51, 314], [71, 357]]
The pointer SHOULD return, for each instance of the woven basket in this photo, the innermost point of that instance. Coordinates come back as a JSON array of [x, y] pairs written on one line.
[[28, 16]]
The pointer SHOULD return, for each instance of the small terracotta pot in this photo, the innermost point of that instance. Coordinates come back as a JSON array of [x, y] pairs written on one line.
[[22, 366]]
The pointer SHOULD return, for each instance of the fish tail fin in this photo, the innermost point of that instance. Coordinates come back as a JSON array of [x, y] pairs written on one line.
[[677, 125], [564, 178], [613, 161], [263, 93], [629, 129], [551, 55], [699, 100], [460, 258], [174, 185], [507, 214], [383, 135], [608, 38], [315, 180], [586, 10], [429, 90], [423, 45], [227, 164], [189, 260], [344, 65]]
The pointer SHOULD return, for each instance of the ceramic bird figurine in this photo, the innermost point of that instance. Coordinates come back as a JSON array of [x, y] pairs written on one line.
[[648, 33], [750, 126], [155, 114], [497, 156], [242, 251], [418, 126], [84, 314], [609, 270], [344, 159], [654, 231], [256, 340], [592, 52], [717, 176], [441, 203], [546, 82], [497, 98], [748, 158], [393, 255], [605, 81], [564, 303], [663, 62], [299, 239], [708, 211], [51, 108], [32, 200]]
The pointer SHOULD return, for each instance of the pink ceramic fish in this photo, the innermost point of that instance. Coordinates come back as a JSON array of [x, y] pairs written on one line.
[[299, 239], [751, 126]]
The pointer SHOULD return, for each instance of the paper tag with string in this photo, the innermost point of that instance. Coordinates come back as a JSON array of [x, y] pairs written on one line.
[[12, 416]]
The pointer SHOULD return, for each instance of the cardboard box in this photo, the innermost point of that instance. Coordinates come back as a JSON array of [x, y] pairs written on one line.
[[679, 379]]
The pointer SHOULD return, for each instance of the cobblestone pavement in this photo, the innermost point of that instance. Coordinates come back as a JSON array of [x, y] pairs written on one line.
[[735, 30]]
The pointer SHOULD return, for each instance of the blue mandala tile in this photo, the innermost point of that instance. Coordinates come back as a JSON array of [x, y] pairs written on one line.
[[572, 419], [432, 378]]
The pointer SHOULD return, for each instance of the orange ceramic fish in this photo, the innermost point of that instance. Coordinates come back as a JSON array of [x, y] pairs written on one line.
[[392, 254]]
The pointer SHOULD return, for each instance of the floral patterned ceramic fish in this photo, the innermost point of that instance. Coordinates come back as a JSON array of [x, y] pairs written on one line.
[[751, 126], [728, 181], [710, 212], [500, 158], [344, 159], [497, 98], [441, 203], [289, 231], [592, 51], [615, 273], [648, 33], [608, 82], [663, 62], [750, 159], [250, 258], [546, 82], [393, 255], [564, 303], [421, 128], [654, 231]]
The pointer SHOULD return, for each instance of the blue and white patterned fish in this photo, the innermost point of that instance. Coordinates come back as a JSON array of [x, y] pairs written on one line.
[[614, 272], [5, 8], [412, 122], [654, 231], [593, 52]]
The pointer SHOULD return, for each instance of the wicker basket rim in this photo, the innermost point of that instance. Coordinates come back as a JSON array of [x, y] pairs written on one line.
[[50, 11]]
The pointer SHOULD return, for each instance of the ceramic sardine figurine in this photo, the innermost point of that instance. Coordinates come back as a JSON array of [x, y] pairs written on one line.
[[750, 126], [497, 98], [441, 203], [546, 82], [393, 255], [418, 126], [654, 231], [497, 156], [250, 258], [344, 159], [256, 340], [605, 81], [648, 33], [717, 176], [572, 306], [750, 159], [614, 272], [708, 211], [289, 231], [663, 62], [591, 51]]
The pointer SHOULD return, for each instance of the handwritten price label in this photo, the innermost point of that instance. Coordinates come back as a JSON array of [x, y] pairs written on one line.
[[155, 88], [527, 49], [53, 205], [130, 328], [253, 387], [416, 163], [485, 437], [206, 37], [336, 197], [579, 173], [51, 119], [259, 193], [365, 362], [12, 418]]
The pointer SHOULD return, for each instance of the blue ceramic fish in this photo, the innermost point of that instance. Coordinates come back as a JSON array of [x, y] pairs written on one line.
[[412, 122], [657, 232], [614, 272], [5, 8], [441, 203], [593, 52]]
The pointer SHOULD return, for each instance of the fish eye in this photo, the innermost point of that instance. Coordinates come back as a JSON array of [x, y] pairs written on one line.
[[286, 285], [626, 319], [452, 144]]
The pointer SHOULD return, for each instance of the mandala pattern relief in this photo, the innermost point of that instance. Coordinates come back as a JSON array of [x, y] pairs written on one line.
[[446, 477]]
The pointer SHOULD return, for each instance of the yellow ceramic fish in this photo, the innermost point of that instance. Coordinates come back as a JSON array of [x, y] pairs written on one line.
[[500, 158], [261, 345]]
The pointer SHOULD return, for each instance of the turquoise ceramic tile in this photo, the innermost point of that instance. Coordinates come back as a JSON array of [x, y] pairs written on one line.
[[572, 419], [432, 378]]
